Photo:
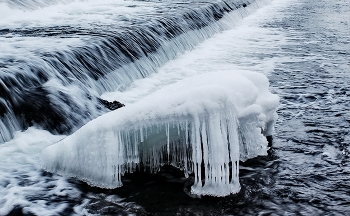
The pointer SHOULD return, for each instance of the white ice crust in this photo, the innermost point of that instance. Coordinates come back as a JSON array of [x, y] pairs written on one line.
[[205, 123]]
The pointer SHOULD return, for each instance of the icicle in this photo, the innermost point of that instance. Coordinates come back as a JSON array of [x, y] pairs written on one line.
[[206, 161], [141, 134], [234, 153], [168, 142]]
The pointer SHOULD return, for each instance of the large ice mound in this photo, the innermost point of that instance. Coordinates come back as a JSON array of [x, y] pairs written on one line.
[[205, 123]]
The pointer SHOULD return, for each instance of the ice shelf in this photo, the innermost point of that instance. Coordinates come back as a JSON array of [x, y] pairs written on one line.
[[205, 123]]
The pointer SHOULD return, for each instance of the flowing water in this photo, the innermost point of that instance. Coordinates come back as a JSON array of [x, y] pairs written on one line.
[[302, 46], [58, 59]]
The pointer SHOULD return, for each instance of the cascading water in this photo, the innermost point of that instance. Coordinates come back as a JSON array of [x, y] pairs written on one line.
[[302, 46], [62, 58], [57, 86]]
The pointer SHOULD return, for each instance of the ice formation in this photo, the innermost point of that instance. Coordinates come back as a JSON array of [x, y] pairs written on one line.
[[205, 123]]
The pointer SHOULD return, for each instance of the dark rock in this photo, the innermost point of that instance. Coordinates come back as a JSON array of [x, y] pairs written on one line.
[[111, 105]]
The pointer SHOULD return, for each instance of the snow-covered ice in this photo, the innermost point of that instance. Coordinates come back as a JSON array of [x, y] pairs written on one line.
[[216, 118]]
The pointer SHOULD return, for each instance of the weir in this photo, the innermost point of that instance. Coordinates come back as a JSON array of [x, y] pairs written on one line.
[[58, 90]]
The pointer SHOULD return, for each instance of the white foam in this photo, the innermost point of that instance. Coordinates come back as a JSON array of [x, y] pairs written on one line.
[[21, 178], [246, 46]]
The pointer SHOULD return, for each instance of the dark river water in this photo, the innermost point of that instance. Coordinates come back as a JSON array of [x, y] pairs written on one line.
[[307, 169], [311, 146]]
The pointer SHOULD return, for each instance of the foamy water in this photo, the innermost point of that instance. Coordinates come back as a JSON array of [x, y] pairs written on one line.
[[259, 42], [234, 49]]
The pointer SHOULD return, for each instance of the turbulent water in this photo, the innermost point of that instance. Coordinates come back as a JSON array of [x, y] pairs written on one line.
[[302, 46], [58, 59]]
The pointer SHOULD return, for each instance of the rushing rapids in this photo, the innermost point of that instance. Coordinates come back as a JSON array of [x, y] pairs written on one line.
[[52, 74]]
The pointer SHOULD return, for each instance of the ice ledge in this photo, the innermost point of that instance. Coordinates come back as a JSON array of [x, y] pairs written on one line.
[[212, 120]]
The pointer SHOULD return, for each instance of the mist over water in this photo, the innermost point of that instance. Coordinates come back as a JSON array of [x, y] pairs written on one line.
[[303, 48]]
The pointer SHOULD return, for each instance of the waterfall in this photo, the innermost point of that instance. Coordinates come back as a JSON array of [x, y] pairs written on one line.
[[58, 88]]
